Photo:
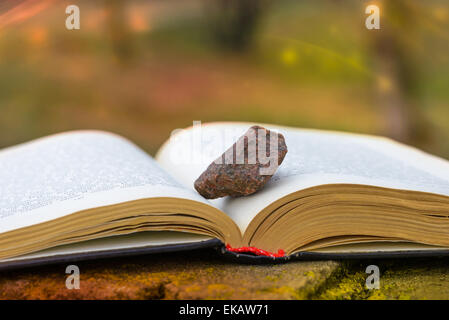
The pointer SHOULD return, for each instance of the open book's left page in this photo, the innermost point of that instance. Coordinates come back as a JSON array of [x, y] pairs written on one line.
[[65, 173]]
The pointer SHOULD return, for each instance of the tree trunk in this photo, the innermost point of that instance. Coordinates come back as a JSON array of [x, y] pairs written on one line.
[[397, 75]]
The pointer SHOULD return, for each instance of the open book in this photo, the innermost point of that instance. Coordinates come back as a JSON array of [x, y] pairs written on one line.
[[90, 194]]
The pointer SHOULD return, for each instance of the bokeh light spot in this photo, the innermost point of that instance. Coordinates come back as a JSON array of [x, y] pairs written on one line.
[[289, 56]]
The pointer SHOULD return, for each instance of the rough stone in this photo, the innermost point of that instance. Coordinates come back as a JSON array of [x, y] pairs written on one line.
[[400, 279], [405, 279], [243, 169], [204, 274], [199, 274]]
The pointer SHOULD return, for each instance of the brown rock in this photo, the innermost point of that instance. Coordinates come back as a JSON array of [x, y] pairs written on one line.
[[245, 167]]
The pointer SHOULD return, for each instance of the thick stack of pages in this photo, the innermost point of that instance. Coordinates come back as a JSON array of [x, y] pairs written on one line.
[[89, 194]]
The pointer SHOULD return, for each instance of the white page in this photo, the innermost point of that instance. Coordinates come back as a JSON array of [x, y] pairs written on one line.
[[65, 173], [314, 158]]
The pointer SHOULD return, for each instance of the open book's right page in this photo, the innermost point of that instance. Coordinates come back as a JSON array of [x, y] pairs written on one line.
[[314, 158]]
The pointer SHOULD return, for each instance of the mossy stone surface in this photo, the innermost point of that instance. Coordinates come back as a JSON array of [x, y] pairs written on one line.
[[413, 279], [400, 279], [204, 274], [200, 274]]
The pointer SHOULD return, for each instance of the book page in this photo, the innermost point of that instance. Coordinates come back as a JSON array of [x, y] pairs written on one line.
[[69, 172], [379, 247], [133, 240], [314, 158]]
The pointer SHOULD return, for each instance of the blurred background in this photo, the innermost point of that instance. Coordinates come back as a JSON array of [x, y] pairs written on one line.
[[145, 67]]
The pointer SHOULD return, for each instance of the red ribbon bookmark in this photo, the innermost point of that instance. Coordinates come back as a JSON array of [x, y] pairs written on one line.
[[257, 251]]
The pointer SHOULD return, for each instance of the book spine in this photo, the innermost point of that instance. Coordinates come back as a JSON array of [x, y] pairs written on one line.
[[256, 251]]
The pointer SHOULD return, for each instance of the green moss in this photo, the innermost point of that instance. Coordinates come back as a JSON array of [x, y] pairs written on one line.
[[345, 283], [219, 291], [310, 274], [350, 287], [284, 292]]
